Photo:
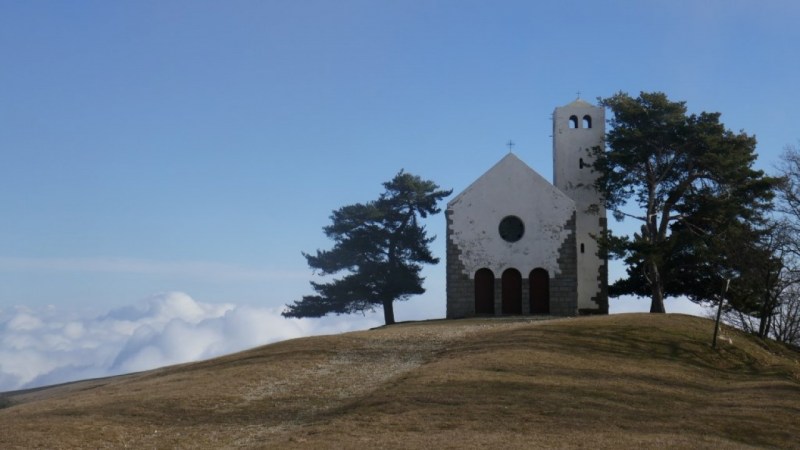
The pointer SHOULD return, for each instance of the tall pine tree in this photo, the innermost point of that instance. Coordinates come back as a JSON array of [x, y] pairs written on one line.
[[380, 247], [689, 178]]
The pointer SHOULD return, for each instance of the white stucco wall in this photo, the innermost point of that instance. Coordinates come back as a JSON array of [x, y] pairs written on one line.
[[569, 147], [510, 188]]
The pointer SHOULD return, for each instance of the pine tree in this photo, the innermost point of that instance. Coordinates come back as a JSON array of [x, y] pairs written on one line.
[[685, 172], [380, 246]]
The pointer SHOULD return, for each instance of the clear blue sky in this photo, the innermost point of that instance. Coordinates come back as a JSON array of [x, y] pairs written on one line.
[[199, 146]]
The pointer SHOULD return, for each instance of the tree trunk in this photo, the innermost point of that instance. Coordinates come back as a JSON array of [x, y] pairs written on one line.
[[762, 323], [719, 312], [388, 312], [657, 289], [657, 301], [716, 321]]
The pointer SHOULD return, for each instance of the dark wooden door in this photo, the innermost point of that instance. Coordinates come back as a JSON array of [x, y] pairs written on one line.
[[540, 291], [512, 292], [484, 292]]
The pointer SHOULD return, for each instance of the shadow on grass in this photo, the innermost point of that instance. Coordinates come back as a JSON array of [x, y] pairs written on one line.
[[655, 404], [5, 402], [682, 346]]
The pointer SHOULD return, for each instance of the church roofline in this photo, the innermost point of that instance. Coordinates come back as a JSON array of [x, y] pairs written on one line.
[[510, 156]]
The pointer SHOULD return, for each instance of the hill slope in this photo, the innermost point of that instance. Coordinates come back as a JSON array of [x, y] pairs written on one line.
[[600, 382]]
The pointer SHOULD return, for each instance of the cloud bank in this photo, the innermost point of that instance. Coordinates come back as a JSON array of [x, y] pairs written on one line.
[[43, 346], [47, 346]]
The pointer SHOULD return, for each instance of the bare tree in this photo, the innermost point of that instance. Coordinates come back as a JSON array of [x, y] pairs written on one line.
[[774, 283], [786, 321]]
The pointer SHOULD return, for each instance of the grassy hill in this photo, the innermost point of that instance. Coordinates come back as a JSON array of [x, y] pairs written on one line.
[[596, 382]]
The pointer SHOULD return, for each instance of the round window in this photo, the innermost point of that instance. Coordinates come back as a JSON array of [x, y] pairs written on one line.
[[511, 228]]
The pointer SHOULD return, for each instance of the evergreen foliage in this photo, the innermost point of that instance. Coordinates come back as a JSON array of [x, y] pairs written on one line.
[[700, 203], [380, 246]]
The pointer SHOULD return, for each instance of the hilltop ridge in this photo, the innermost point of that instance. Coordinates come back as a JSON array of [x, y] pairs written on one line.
[[605, 382]]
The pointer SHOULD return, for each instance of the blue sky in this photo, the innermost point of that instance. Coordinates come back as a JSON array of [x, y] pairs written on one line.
[[198, 147]]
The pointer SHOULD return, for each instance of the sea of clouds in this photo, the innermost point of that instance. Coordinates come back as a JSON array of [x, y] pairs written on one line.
[[49, 345], [44, 346]]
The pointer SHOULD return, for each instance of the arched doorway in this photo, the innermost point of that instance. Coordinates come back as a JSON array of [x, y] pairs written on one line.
[[512, 292], [540, 291], [484, 291]]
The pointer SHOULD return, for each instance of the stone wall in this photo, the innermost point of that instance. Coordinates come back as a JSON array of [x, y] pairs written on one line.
[[460, 287], [602, 280], [563, 286]]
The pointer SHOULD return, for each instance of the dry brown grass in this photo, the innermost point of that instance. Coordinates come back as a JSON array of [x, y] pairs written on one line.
[[634, 380]]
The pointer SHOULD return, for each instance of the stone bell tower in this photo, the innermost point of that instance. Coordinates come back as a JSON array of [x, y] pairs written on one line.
[[577, 128]]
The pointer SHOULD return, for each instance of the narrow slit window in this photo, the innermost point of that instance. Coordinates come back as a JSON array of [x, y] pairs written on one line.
[[580, 163], [587, 121], [573, 121], [582, 248]]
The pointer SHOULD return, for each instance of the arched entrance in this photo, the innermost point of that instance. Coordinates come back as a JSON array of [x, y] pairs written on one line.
[[540, 291], [484, 292], [512, 292]]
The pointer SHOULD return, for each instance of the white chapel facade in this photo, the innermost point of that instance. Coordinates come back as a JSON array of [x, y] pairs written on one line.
[[517, 244]]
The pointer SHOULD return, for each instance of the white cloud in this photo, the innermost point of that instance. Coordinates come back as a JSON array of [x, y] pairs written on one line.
[[47, 346], [24, 322], [672, 305]]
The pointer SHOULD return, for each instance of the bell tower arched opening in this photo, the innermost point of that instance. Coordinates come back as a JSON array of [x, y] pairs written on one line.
[[573, 122]]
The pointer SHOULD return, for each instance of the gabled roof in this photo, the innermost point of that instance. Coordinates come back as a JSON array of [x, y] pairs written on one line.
[[510, 188], [509, 168]]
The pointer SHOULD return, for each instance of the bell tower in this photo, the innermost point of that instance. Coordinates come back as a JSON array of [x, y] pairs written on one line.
[[577, 128]]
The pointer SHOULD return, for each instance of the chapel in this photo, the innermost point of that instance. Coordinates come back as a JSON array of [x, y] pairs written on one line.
[[517, 244]]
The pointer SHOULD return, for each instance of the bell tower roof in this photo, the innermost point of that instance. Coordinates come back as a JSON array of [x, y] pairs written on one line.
[[579, 102]]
